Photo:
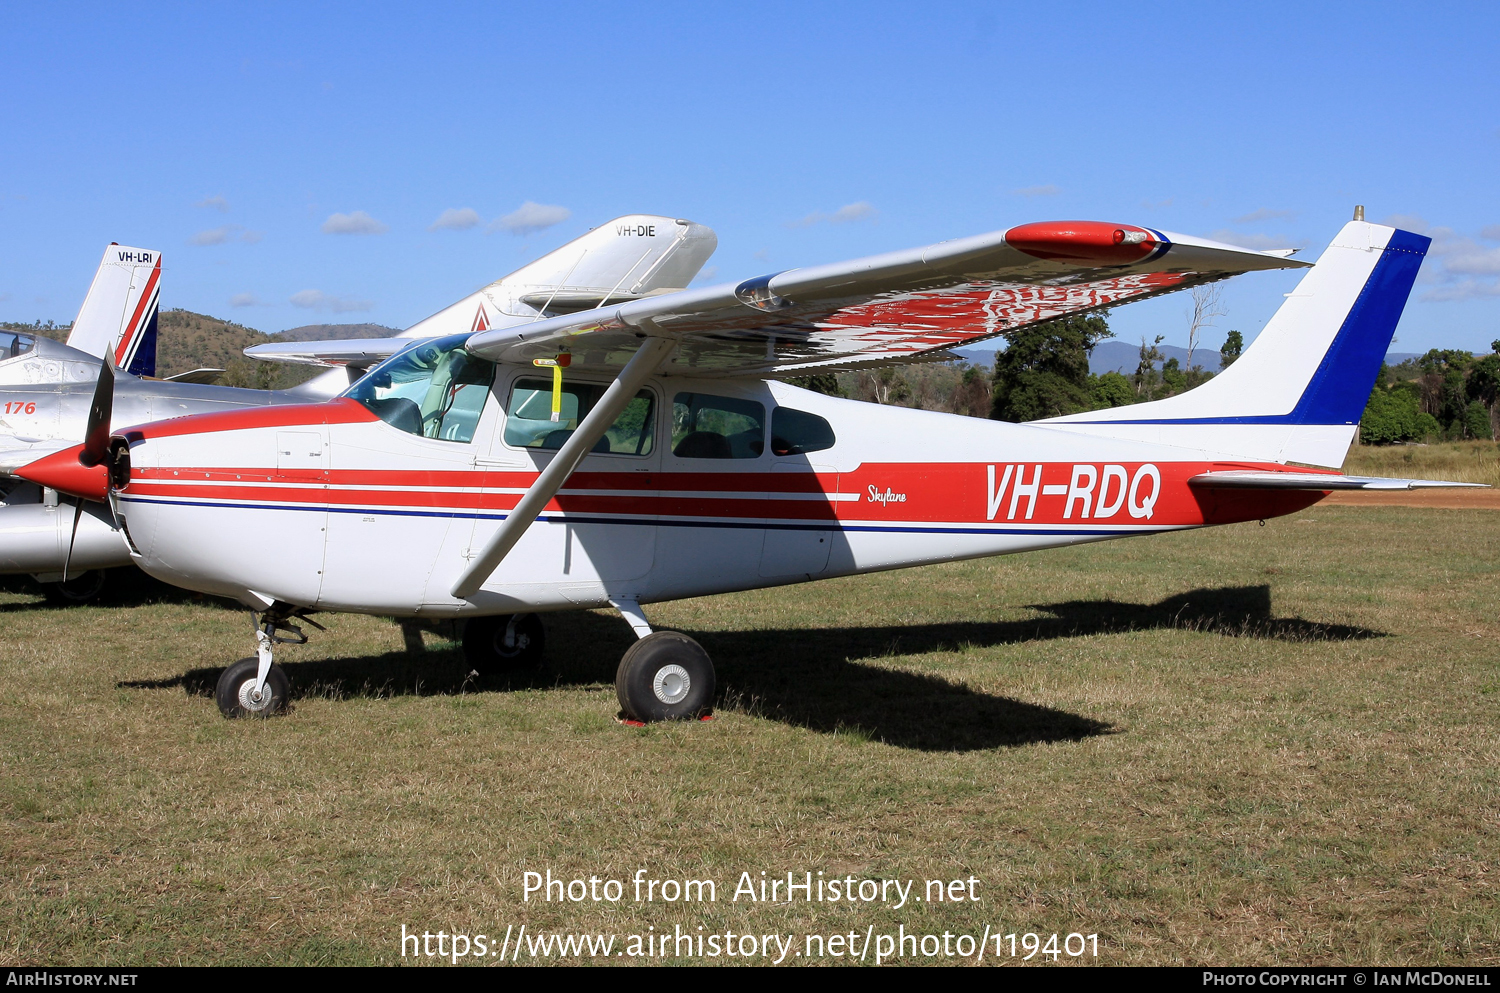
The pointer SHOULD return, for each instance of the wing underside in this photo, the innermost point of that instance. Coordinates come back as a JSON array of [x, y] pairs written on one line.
[[890, 308]]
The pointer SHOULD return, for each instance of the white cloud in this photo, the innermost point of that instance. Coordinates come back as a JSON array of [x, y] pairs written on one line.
[[222, 235], [4, 297], [1490, 232], [1468, 289], [1256, 242], [1157, 204], [455, 219], [356, 223], [1459, 260], [1265, 214], [214, 203], [706, 276], [530, 218], [213, 236], [318, 300], [860, 210], [1037, 191], [245, 300]]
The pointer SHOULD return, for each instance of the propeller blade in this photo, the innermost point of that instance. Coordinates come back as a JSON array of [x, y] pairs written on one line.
[[96, 434], [77, 513]]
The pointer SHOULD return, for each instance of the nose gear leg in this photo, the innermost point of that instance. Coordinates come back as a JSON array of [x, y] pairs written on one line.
[[274, 627]]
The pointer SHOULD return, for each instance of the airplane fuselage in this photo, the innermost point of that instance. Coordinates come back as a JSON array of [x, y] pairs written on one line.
[[45, 395], [329, 507]]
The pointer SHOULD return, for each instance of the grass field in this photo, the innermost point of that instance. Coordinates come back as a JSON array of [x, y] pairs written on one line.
[[1458, 461], [1244, 745]]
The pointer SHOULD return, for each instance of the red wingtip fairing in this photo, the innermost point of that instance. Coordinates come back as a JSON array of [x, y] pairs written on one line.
[[63, 472], [1083, 241]]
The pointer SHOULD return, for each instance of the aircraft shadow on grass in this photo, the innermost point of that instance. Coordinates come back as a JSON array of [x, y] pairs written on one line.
[[820, 678]]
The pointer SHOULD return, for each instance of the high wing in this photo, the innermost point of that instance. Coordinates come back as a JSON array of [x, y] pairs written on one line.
[[897, 307]]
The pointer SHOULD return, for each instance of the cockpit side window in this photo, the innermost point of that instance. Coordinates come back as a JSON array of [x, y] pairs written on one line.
[[529, 423], [12, 344], [714, 427], [796, 432], [434, 389]]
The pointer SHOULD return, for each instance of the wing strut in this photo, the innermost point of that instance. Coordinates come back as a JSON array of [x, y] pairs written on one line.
[[640, 367]]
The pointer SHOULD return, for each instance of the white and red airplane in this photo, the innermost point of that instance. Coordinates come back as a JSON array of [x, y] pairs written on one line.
[[47, 388], [640, 452]]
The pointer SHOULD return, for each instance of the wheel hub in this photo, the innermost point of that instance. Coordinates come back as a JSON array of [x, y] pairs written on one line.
[[251, 700], [671, 683]]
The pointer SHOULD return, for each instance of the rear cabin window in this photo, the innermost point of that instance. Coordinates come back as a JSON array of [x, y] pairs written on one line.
[[796, 432], [529, 423], [712, 427]]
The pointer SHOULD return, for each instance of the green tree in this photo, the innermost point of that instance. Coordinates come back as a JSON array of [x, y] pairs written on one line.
[[1477, 422], [1389, 417], [1147, 379], [1044, 370], [1173, 379], [1111, 390], [1234, 344], [826, 383]]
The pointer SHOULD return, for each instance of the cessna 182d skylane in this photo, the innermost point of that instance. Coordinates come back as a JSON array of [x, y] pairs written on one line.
[[635, 453], [46, 388]]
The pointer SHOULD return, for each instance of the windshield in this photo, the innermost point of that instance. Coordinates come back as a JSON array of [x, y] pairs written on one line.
[[435, 389]]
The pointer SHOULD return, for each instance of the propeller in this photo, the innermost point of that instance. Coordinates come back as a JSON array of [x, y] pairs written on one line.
[[95, 441]]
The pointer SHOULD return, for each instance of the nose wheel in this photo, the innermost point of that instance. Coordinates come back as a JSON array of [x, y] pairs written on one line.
[[237, 695]]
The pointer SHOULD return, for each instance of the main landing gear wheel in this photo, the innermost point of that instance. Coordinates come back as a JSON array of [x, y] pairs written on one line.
[[505, 643], [86, 587], [235, 693], [666, 676]]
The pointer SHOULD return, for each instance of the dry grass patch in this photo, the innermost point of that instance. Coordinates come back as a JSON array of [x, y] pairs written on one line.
[[1231, 746]]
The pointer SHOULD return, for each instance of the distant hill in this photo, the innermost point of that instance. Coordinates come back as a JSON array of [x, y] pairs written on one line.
[[186, 341], [326, 332]]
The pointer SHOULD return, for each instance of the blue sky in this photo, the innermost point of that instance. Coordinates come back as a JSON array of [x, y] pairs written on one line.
[[230, 137]]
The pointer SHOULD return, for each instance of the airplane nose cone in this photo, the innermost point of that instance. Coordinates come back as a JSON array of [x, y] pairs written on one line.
[[63, 471]]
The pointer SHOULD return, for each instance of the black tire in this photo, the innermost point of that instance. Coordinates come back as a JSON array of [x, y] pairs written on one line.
[[666, 676], [84, 588], [236, 683], [485, 648]]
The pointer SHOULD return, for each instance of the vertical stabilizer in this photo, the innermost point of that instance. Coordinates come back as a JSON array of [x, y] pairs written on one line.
[[118, 316], [1298, 392]]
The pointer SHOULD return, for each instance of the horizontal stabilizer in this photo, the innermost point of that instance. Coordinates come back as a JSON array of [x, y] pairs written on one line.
[[1248, 480], [204, 376]]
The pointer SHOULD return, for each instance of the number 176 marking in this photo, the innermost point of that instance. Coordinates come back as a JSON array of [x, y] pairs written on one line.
[[20, 407]]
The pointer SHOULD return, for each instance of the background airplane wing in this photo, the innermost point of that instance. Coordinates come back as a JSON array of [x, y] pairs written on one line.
[[357, 352], [896, 307]]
